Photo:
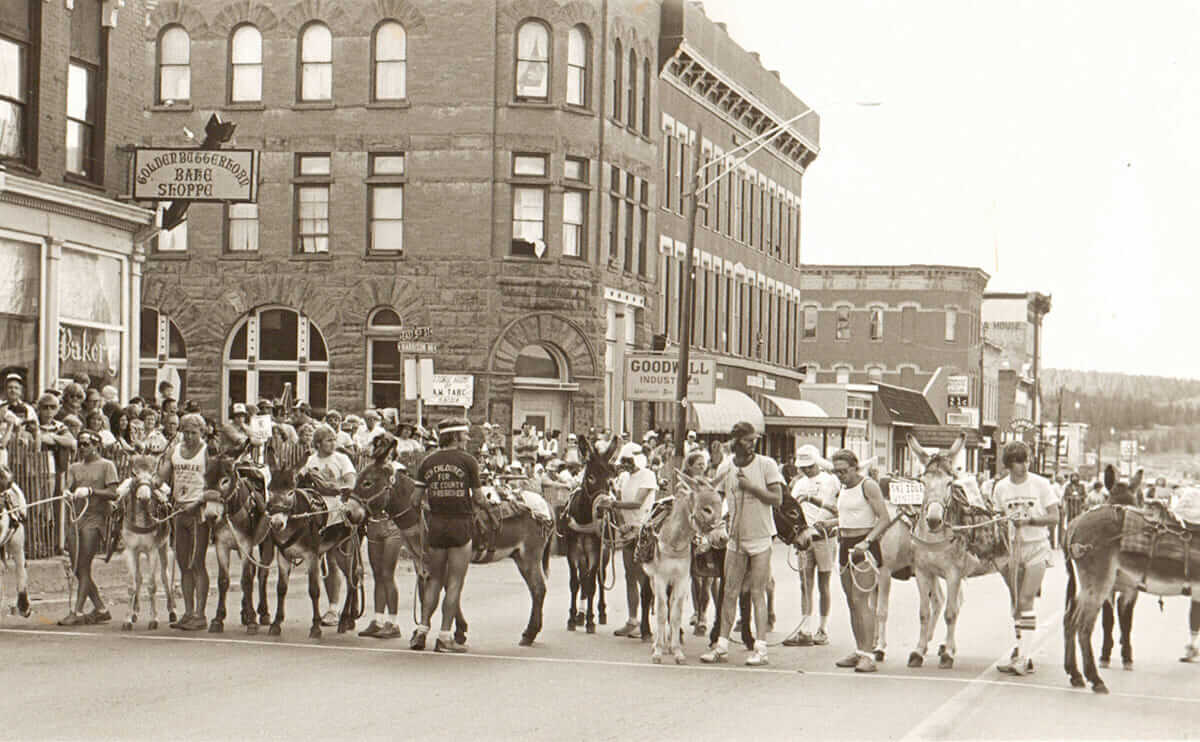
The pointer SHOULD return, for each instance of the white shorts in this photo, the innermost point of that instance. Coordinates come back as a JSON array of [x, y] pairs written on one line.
[[822, 552], [1037, 552]]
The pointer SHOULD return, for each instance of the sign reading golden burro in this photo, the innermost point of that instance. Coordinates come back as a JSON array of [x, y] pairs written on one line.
[[194, 174]]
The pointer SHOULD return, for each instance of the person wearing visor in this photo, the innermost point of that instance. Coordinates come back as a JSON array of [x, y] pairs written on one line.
[[637, 486], [184, 468], [92, 486], [816, 491]]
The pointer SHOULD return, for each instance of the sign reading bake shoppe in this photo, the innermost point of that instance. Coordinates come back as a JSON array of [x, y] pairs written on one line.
[[195, 174]]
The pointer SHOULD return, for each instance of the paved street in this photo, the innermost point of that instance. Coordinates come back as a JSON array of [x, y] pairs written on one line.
[[158, 685]]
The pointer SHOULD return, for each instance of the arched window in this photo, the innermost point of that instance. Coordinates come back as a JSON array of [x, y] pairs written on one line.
[[875, 374], [316, 63], [271, 347], [842, 374], [162, 357], [631, 93], [389, 63], [533, 61], [385, 369], [579, 51], [540, 364], [618, 79], [245, 65], [174, 65]]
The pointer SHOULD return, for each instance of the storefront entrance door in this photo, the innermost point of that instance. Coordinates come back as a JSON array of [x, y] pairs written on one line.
[[545, 411]]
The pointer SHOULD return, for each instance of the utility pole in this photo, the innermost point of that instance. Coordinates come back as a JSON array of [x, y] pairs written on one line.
[[685, 313], [1058, 434]]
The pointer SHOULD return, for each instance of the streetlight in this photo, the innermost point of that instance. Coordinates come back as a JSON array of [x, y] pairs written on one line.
[[685, 311]]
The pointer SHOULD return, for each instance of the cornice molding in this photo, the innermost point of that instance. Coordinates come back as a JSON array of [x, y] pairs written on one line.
[[71, 202]]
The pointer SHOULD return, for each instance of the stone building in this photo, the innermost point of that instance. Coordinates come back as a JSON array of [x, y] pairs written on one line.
[[485, 177], [71, 250]]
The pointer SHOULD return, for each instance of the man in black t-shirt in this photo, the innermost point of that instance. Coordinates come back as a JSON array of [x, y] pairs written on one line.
[[449, 482]]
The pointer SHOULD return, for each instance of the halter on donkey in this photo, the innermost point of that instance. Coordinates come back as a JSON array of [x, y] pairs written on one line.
[[239, 518], [586, 549], [145, 530]]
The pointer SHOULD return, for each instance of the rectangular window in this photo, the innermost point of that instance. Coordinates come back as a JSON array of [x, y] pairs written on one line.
[[951, 325], [842, 330], [15, 94], [718, 191], [246, 68], [386, 203], [705, 198], [241, 228], [529, 221], [810, 323], [630, 191], [386, 377], [877, 323], [668, 171], [312, 204], [614, 215], [574, 233], [171, 240], [576, 168], [680, 168], [82, 115], [743, 208], [644, 231], [727, 325], [529, 165], [908, 324]]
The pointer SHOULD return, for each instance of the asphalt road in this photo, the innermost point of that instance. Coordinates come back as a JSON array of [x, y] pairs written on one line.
[[101, 683]]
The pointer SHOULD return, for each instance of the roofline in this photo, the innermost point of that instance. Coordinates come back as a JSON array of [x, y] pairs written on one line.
[[884, 268]]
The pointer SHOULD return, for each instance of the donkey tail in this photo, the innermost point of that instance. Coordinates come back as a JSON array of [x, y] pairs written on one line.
[[546, 549], [1070, 592]]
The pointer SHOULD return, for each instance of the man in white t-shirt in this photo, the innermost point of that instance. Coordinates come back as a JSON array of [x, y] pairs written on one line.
[[637, 486], [1032, 507], [816, 490]]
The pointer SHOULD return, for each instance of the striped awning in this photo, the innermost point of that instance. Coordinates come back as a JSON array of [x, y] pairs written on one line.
[[789, 407], [730, 407]]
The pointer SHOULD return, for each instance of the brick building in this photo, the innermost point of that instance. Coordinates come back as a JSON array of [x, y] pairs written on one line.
[[70, 251], [496, 178], [717, 96]]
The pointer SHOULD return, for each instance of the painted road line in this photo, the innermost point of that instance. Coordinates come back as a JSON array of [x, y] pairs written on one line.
[[976, 682]]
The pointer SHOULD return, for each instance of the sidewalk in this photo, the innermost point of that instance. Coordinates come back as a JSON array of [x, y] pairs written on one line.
[[48, 577]]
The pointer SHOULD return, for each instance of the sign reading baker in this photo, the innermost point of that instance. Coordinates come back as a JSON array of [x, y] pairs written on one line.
[[195, 175]]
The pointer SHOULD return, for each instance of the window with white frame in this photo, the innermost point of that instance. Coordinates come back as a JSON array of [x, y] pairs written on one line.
[[951, 324], [389, 63], [312, 183], [170, 240], [18, 47], [857, 408], [316, 63], [876, 319], [842, 327], [875, 374], [385, 201], [533, 61], [270, 348], [162, 356], [575, 207], [529, 204], [241, 228], [385, 367], [579, 50], [843, 374], [245, 65], [174, 65], [82, 116]]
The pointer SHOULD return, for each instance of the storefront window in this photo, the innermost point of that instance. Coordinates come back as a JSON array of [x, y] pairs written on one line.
[[162, 356], [271, 348], [93, 284], [20, 281], [88, 350]]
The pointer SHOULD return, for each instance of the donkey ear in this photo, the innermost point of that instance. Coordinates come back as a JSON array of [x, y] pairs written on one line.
[[921, 454], [958, 444], [1136, 483], [1110, 477]]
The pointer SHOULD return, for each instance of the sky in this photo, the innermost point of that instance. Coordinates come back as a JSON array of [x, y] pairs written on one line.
[[1053, 144]]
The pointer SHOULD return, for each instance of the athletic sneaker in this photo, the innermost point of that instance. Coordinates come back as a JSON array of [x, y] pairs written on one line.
[[865, 664], [452, 647], [195, 622], [758, 657], [417, 641], [389, 631], [1190, 654], [820, 638], [1018, 666], [799, 639], [372, 629], [72, 619], [98, 616], [714, 656], [630, 629], [330, 618], [850, 660]]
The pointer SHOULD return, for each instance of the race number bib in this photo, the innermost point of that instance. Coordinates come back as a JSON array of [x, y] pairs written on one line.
[[1020, 508], [906, 493], [260, 429]]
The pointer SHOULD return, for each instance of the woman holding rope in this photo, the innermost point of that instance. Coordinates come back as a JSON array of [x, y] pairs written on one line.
[[92, 484], [862, 518]]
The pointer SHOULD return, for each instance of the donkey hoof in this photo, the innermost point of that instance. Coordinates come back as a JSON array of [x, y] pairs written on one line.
[[1100, 688], [251, 628], [344, 626], [591, 628], [1077, 681], [314, 632], [526, 641], [602, 619], [680, 659], [216, 627], [127, 626], [915, 660], [941, 650], [579, 617], [701, 629], [946, 662], [152, 626], [570, 625], [275, 630], [172, 617], [264, 619], [656, 658], [879, 653], [1128, 664], [23, 605], [1104, 662]]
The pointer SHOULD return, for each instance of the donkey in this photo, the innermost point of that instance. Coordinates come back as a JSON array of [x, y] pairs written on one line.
[[239, 523], [299, 525], [1125, 594], [580, 528], [12, 542], [696, 511], [941, 552], [1096, 566], [145, 531]]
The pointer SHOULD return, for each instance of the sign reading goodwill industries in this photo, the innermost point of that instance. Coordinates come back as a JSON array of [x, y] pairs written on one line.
[[195, 174], [651, 377]]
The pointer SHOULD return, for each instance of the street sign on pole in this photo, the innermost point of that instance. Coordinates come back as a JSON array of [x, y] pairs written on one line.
[[413, 347]]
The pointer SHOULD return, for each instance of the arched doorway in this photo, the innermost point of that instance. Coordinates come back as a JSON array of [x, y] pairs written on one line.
[[541, 387], [269, 348], [162, 356]]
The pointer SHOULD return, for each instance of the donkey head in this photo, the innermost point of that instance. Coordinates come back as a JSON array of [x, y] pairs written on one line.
[[937, 479]]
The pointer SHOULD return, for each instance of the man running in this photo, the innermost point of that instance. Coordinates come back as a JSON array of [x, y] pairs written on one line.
[[184, 467], [448, 480], [1030, 503]]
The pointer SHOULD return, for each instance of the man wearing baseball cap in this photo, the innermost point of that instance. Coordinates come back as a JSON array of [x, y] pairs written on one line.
[[638, 487], [816, 491]]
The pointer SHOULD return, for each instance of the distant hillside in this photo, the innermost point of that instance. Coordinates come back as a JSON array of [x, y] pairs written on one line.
[[1163, 413]]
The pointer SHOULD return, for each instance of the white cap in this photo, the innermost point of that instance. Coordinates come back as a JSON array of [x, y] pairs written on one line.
[[691, 434], [629, 450], [807, 456]]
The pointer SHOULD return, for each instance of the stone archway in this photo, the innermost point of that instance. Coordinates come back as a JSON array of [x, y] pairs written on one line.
[[540, 328]]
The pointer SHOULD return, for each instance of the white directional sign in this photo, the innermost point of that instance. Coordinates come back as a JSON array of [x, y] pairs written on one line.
[[453, 390], [906, 493], [652, 377]]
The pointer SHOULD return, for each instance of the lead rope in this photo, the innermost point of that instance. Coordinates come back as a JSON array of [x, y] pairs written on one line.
[[869, 566]]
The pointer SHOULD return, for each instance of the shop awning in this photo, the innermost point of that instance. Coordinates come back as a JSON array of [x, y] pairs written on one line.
[[789, 407], [731, 406], [944, 436], [901, 406]]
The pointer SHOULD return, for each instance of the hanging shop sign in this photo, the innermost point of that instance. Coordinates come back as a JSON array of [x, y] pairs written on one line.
[[651, 377], [195, 175]]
